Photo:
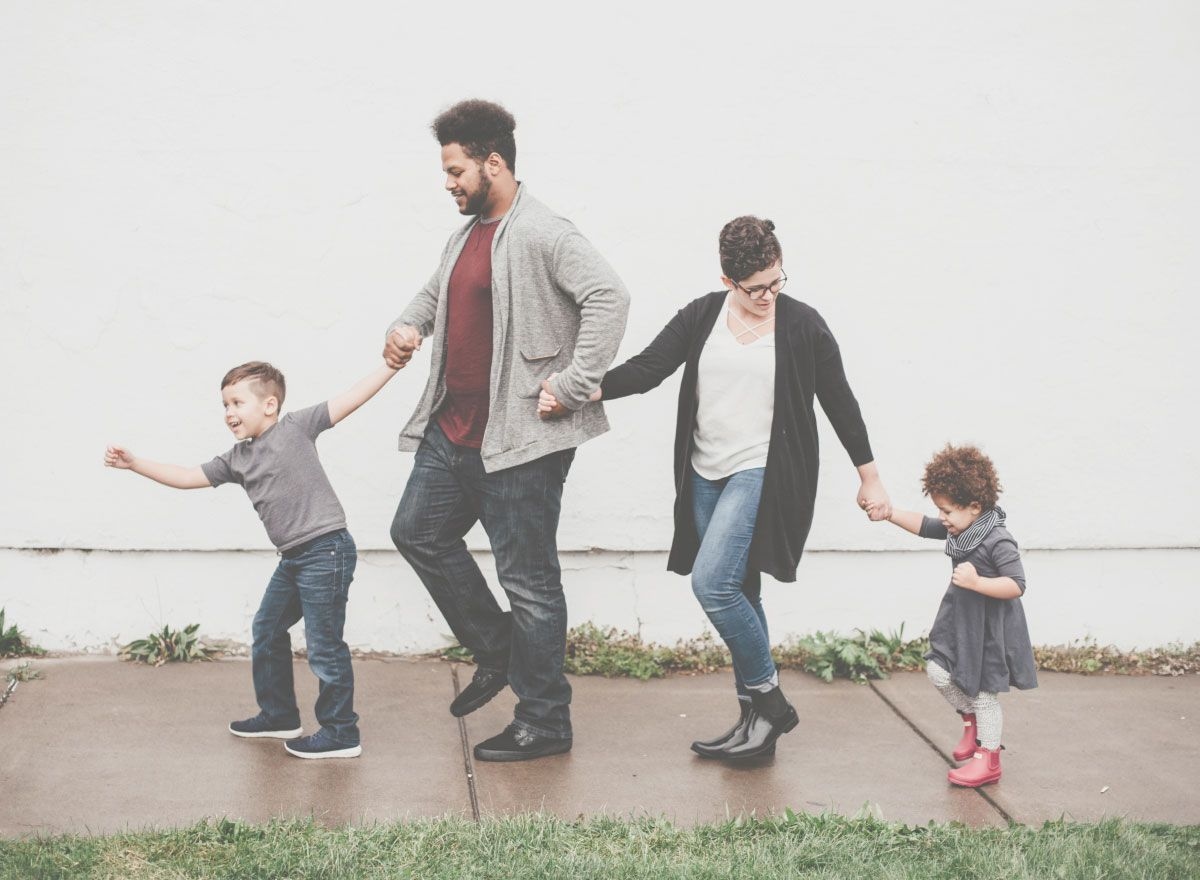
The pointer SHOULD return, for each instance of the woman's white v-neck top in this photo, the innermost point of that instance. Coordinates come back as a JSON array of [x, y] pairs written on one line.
[[735, 393]]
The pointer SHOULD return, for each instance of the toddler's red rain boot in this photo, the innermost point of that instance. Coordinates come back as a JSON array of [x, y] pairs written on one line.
[[982, 769], [966, 745]]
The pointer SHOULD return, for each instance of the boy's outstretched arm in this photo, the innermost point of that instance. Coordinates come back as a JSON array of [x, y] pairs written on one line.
[[173, 475], [362, 391]]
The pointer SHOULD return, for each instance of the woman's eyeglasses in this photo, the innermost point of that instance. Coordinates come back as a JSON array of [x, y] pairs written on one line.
[[764, 291]]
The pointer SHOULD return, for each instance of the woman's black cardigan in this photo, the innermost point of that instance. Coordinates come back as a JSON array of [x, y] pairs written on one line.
[[807, 362]]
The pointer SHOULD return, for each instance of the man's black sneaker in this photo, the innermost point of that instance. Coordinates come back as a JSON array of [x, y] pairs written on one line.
[[260, 726], [518, 744], [321, 745], [485, 684]]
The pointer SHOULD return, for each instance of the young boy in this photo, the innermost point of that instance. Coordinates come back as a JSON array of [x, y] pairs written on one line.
[[276, 462]]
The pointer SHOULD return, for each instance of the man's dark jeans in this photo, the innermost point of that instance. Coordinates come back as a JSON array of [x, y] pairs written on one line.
[[314, 584], [447, 493]]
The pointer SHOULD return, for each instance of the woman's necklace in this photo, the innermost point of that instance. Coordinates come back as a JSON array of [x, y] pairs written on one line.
[[748, 328]]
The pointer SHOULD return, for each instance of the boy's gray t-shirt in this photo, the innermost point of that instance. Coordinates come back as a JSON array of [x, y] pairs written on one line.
[[282, 474]]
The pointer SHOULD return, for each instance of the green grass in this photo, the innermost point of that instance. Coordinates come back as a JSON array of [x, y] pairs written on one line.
[[531, 847]]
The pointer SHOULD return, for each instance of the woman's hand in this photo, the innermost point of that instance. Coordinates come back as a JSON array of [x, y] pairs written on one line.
[[872, 497]]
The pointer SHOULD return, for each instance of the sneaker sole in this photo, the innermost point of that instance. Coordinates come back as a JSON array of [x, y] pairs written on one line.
[[352, 752], [499, 756], [268, 734], [978, 783], [478, 703]]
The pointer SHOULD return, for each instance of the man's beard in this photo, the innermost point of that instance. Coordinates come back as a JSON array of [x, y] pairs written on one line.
[[476, 200]]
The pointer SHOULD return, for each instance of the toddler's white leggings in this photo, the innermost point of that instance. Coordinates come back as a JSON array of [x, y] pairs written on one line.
[[988, 717]]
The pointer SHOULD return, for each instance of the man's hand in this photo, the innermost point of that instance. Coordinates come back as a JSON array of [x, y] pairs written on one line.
[[118, 457], [400, 345], [965, 576]]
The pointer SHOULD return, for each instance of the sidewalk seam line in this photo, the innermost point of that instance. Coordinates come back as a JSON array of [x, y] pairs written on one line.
[[468, 765], [979, 791]]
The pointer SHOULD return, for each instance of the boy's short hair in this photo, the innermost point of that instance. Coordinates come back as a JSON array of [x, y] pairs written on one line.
[[964, 475], [748, 245], [267, 381], [480, 128]]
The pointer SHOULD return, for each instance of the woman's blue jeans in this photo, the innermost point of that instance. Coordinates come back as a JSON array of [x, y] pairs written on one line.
[[725, 512]]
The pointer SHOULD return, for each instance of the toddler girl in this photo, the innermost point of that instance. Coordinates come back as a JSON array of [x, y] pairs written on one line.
[[979, 643]]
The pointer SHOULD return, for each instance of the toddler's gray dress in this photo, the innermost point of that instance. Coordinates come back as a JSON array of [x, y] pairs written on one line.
[[983, 642]]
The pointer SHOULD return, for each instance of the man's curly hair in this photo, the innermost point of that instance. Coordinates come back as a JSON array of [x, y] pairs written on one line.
[[748, 245], [480, 128], [964, 475]]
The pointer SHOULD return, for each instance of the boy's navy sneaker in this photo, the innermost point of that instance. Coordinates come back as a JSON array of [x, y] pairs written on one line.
[[260, 726], [321, 745]]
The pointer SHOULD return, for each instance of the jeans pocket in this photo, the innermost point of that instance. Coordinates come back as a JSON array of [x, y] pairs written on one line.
[[347, 561], [566, 457]]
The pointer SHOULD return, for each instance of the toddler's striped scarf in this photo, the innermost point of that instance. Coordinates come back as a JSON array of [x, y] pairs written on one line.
[[960, 546]]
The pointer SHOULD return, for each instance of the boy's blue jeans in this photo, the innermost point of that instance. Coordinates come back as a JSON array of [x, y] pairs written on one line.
[[725, 512], [447, 493], [314, 585]]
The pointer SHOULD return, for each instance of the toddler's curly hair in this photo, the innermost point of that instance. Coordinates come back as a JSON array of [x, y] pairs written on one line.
[[964, 475]]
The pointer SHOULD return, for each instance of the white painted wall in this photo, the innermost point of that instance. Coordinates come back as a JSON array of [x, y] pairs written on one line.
[[975, 198]]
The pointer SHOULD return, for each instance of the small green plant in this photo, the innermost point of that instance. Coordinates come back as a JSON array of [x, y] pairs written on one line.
[[457, 652], [168, 646], [13, 642], [22, 672], [868, 655]]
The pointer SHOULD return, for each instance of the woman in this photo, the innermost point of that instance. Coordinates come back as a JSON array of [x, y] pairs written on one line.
[[746, 456]]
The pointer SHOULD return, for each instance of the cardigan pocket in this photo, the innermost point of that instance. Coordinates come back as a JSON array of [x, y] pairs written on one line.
[[535, 365]]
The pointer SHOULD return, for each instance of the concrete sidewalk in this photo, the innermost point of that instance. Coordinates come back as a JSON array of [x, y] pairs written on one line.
[[99, 746]]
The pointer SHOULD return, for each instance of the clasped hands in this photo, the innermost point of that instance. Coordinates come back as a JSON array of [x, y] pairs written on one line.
[[399, 347], [549, 407]]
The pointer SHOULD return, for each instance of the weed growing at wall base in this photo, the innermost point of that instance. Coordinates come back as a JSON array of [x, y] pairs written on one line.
[[13, 642], [873, 654], [595, 650], [168, 646], [1086, 657]]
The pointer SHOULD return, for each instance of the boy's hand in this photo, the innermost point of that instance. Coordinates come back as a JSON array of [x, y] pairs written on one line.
[[965, 576], [118, 457], [400, 345]]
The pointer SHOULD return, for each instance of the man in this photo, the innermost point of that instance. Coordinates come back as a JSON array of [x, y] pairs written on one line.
[[520, 295]]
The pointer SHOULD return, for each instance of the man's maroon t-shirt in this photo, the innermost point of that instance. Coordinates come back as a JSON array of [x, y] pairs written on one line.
[[469, 340]]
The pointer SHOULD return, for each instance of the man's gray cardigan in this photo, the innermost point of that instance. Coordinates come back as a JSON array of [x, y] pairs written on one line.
[[557, 306]]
